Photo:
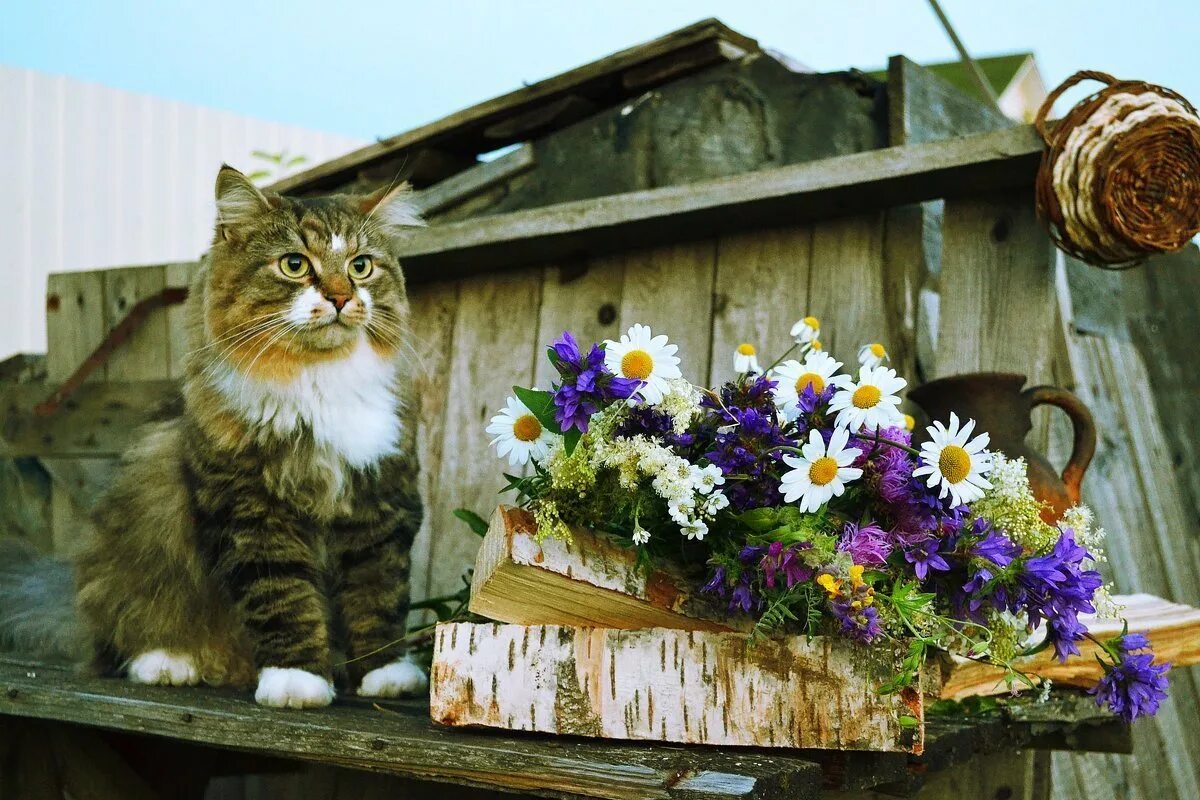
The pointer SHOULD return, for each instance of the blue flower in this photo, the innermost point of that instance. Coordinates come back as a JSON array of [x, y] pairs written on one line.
[[1133, 685], [1055, 587], [587, 386]]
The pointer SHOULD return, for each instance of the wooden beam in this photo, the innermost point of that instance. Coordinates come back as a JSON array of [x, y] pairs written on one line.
[[815, 190], [99, 420], [397, 738], [665, 685], [470, 182], [599, 81]]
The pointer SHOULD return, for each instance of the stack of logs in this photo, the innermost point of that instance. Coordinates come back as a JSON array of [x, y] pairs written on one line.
[[590, 644]]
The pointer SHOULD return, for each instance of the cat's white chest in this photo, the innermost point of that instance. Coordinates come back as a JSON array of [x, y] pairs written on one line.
[[349, 405]]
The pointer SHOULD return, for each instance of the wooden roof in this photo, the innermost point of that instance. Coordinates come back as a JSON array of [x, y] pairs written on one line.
[[544, 105]]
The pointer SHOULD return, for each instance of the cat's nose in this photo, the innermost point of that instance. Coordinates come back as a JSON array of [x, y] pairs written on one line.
[[338, 300]]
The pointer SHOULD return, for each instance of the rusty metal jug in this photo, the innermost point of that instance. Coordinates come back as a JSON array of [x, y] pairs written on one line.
[[996, 401]]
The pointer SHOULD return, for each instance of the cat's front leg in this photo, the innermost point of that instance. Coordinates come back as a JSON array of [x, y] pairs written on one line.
[[372, 548], [267, 559]]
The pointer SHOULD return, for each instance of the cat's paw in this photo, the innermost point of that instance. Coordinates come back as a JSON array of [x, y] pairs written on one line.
[[163, 668], [283, 687], [395, 679]]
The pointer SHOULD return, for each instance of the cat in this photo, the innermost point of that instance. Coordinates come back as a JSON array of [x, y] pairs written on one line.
[[259, 537]]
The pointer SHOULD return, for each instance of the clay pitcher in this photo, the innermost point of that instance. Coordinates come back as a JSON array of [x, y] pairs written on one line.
[[996, 401]]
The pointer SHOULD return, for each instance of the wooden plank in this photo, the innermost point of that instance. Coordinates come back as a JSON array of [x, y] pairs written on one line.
[[846, 285], [998, 306], [923, 107], [583, 297], [98, 421], [146, 355], [670, 288], [762, 287], [659, 684], [1173, 630], [493, 348], [178, 276], [398, 739], [74, 322], [470, 182], [776, 196], [432, 318], [463, 130], [589, 580]]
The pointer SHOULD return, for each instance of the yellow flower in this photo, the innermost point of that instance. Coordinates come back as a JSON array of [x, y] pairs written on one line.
[[830, 584]]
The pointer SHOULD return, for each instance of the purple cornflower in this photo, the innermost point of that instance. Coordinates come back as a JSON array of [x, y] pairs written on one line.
[[866, 544], [586, 386], [1134, 685], [861, 624], [786, 562], [745, 441], [995, 547]]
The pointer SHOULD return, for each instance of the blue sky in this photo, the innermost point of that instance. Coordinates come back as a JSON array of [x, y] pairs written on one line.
[[372, 69]]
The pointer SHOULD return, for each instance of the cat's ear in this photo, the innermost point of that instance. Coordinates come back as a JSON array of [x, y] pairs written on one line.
[[392, 206], [239, 201]]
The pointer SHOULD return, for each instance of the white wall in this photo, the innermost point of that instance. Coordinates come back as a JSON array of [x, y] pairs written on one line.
[[94, 177]]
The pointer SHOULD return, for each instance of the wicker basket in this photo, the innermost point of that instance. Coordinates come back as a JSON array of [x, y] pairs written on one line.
[[1120, 178]]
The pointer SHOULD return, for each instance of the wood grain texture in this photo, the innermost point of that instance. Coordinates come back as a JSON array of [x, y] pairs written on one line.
[[876, 179], [494, 346], [147, 353], [583, 297], [670, 288], [846, 291], [997, 307], [75, 322], [398, 739], [762, 286], [660, 684], [587, 580]]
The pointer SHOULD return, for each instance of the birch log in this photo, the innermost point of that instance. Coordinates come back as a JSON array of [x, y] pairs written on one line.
[[587, 580], [659, 684], [1172, 628]]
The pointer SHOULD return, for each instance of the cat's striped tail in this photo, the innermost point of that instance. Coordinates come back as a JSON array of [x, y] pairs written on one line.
[[37, 604]]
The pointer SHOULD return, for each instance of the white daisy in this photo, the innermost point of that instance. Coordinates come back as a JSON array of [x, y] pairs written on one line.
[[959, 465], [640, 355], [872, 355], [519, 435], [819, 370], [872, 402], [821, 472], [745, 359], [806, 330]]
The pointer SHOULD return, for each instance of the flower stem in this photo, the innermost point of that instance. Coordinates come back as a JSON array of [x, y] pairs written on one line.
[[880, 440], [779, 360]]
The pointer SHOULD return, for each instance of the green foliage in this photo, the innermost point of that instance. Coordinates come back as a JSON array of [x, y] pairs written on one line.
[[476, 523], [277, 164]]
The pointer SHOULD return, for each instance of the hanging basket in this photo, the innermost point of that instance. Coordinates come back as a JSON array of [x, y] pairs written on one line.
[[1120, 177]]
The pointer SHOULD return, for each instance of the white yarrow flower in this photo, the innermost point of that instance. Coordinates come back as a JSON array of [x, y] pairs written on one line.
[[872, 402], [821, 472], [708, 478], [955, 462], [640, 355], [519, 434], [640, 535], [745, 359], [872, 355], [696, 529]]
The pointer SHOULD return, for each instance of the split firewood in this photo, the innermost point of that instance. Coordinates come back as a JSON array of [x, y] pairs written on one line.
[[697, 687]]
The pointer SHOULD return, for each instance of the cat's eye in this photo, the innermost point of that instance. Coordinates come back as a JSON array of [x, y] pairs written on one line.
[[361, 267], [294, 265]]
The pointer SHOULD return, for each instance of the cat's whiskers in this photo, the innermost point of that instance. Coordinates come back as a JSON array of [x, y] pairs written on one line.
[[265, 330], [239, 329]]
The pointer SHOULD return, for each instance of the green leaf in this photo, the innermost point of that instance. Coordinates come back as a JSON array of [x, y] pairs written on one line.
[[570, 439], [541, 404], [907, 721], [475, 522]]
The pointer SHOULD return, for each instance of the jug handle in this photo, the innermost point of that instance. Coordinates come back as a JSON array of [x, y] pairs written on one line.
[[1084, 445]]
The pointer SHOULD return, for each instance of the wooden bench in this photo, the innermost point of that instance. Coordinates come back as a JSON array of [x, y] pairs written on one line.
[[87, 721]]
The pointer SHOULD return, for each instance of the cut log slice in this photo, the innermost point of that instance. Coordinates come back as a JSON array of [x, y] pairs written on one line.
[[696, 687]]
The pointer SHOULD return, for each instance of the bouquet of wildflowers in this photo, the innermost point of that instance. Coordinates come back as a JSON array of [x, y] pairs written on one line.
[[794, 495]]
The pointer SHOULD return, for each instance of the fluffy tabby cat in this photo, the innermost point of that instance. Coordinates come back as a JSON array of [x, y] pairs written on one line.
[[261, 536]]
